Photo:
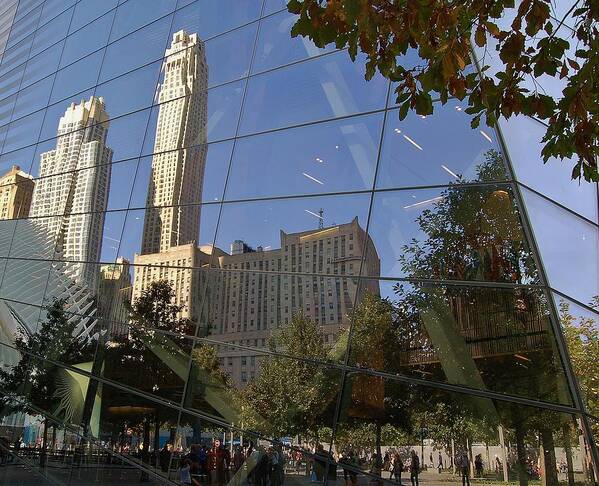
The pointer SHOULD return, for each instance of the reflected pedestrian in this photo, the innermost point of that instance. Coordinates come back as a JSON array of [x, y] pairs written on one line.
[[397, 468], [478, 465], [414, 467], [462, 463]]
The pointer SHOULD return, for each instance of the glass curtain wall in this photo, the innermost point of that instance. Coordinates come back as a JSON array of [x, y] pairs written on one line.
[[223, 257]]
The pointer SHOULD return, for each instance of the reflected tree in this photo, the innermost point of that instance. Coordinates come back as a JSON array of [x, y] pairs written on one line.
[[157, 333], [472, 233], [36, 380], [292, 396]]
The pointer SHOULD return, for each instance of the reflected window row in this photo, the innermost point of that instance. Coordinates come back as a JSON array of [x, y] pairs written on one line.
[[467, 233], [110, 59], [330, 156]]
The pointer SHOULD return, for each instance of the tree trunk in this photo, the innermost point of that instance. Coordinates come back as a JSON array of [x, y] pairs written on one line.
[[44, 441], [568, 449], [54, 437], [470, 458], [377, 439], [521, 453], [146, 447], [452, 458], [196, 426], [549, 457], [156, 435]]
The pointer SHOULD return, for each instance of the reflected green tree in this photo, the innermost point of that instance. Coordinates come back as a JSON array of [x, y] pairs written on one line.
[[292, 396], [475, 336], [36, 380], [472, 233], [582, 337], [157, 333]]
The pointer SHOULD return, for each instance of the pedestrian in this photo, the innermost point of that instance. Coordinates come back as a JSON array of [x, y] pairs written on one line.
[[478, 465], [498, 464], [440, 463], [238, 459], [462, 463], [387, 461], [376, 469], [185, 474], [216, 464], [349, 474], [397, 468], [414, 467], [165, 457]]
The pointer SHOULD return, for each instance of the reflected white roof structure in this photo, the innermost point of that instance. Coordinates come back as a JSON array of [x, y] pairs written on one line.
[[32, 280]]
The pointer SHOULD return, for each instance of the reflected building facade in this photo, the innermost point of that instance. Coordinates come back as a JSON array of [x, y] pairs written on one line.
[[172, 221], [114, 292], [260, 290], [71, 196], [16, 191], [179, 148]]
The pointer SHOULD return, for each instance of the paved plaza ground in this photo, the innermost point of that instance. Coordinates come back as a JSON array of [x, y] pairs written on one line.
[[20, 475]]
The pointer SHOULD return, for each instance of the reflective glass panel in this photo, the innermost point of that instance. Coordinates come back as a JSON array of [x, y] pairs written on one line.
[[328, 157], [457, 233], [568, 247], [328, 87], [438, 149]]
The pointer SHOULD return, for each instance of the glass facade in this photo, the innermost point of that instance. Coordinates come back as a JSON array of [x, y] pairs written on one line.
[[224, 258]]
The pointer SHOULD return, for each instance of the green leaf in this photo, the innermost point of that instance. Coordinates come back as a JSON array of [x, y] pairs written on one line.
[[424, 103], [403, 111]]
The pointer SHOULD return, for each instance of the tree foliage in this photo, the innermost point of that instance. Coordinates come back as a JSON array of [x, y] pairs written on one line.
[[33, 380], [472, 233], [156, 323], [582, 336], [442, 32], [292, 396]]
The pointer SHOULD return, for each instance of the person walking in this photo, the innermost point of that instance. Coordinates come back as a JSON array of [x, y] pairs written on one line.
[[397, 468], [185, 474], [440, 463], [216, 464], [462, 463], [349, 475], [478, 465], [414, 467]]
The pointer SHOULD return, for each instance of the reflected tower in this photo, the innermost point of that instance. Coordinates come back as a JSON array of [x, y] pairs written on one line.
[[179, 148], [71, 194]]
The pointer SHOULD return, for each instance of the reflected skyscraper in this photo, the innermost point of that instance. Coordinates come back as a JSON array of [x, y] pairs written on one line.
[[179, 148], [172, 216], [115, 290], [71, 195]]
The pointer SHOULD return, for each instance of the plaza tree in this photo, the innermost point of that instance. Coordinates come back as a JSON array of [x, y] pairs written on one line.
[[531, 44], [34, 383], [157, 332], [582, 336], [293, 394]]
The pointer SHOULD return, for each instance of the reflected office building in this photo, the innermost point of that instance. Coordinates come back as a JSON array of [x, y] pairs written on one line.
[[215, 236]]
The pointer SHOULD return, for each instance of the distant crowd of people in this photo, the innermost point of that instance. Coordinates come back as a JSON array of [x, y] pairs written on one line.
[[215, 466]]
